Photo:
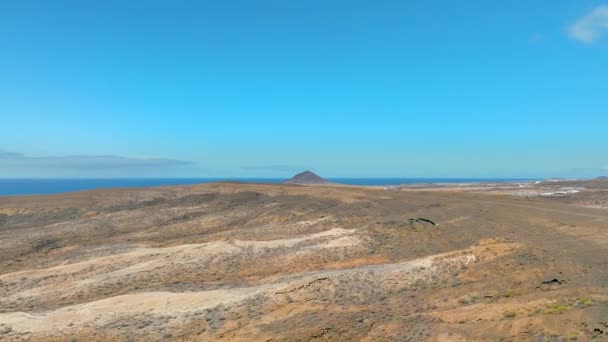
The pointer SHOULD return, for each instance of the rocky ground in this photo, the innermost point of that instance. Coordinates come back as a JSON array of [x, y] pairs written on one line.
[[256, 262]]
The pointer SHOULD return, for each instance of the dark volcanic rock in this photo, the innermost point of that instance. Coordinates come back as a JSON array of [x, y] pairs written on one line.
[[306, 177], [553, 281], [420, 223]]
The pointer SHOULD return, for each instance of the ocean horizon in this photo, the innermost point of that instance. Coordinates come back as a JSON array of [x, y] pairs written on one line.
[[46, 186]]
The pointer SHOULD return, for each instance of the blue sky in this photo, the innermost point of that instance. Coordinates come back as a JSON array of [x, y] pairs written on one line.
[[267, 88]]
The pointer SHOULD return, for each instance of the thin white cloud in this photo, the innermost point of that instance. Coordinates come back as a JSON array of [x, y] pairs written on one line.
[[591, 27], [268, 168], [84, 162]]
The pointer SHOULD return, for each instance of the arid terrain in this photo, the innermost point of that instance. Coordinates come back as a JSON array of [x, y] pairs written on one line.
[[261, 262], [591, 193]]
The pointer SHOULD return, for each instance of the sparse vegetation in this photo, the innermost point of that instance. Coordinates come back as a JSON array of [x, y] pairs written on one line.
[[45, 244], [554, 309], [585, 301], [5, 330], [469, 299], [3, 218], [509, 314], [363, 279]]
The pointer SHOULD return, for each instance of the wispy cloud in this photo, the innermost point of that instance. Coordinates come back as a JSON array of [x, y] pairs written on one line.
[[590, 27], [84, 162], [268, 168]]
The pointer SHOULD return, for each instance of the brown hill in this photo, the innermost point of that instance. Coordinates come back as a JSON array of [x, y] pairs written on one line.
[[306, 177], [259, 262]]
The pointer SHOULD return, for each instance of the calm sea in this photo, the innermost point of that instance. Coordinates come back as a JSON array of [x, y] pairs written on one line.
[[52, 186]]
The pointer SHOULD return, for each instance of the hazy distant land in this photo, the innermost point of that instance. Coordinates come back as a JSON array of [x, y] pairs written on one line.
[[39, 186]]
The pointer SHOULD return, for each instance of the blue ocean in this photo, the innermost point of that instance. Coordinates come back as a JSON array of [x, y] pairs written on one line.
[[53, 186]]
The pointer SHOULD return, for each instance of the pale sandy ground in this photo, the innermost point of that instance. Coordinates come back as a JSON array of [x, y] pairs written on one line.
[[75, 276], [101, 312]]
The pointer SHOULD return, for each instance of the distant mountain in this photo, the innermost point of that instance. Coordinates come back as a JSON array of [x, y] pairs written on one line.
[[602, 178], [306, 177]]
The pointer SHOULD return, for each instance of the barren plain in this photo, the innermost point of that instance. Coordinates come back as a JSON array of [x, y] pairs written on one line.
[[261, 262]]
